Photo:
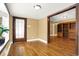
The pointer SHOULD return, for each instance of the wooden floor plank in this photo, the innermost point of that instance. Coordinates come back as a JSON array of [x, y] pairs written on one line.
[[56, 47]]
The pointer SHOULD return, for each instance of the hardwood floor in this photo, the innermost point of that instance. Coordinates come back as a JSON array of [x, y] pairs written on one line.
[[56, 47]]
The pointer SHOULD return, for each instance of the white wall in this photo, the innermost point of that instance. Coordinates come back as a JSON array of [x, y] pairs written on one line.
[[32, 29], [53, 29], [43, 31]]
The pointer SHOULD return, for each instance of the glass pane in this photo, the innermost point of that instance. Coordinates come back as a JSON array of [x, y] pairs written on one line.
[[5, 23], [19, 28]]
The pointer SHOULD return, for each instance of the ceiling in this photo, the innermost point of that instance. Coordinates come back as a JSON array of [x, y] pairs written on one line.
[[27, 10], [68, 15]]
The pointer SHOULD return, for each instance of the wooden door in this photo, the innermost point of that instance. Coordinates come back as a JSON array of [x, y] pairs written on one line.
[[19, 29]]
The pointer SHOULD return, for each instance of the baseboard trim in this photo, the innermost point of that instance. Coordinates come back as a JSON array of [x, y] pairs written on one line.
[[29, 40], [38, 39], [8, 49], [53, 35], [43, 41]]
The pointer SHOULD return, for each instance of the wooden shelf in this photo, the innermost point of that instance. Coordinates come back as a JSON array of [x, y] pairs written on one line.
[[67, 30]]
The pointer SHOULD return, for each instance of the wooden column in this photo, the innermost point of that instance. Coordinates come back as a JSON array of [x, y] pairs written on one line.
[[77, 29], [48, 36]]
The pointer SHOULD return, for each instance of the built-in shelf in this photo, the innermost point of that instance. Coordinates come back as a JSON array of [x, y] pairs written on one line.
[[67, 30]]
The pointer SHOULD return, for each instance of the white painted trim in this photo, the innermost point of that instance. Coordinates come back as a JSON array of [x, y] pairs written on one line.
[[43, 41], [32, 40], [53, 34], [8, 49], [38, 39]]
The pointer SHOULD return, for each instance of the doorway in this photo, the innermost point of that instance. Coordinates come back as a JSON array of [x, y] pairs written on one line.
[[19, 29], [64, 23]]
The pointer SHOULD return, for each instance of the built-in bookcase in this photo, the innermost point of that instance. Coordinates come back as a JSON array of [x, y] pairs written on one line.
[[67, 30]]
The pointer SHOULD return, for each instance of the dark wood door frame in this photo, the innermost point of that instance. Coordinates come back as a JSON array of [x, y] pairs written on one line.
[[77, 25], [25, 30]]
